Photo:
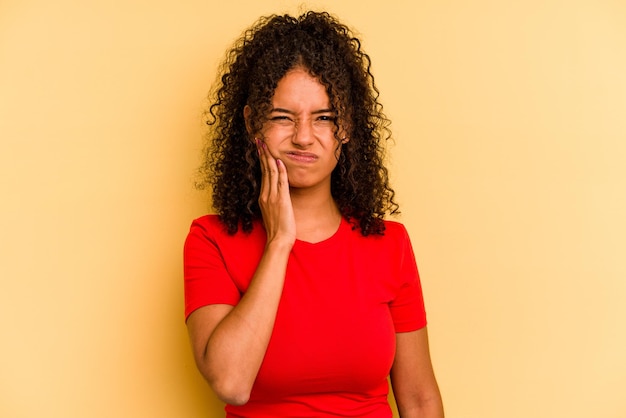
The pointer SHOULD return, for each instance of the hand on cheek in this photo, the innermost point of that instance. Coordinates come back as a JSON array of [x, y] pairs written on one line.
[[274, 197]]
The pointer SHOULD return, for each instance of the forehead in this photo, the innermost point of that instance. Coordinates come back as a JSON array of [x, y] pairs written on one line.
[[300, 89]]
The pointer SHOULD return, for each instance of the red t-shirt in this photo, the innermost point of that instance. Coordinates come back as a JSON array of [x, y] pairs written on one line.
[[343, 300]]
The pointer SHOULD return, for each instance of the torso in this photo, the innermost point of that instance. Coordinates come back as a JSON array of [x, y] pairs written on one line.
[[333, 341]]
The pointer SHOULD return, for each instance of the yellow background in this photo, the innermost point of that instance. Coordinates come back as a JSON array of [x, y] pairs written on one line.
[[509, 162]]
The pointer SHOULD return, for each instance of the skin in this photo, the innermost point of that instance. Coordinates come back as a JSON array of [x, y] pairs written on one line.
[[298, 152]]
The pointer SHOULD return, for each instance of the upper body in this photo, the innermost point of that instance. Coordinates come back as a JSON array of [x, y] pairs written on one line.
[[299, 286], [334, 336]]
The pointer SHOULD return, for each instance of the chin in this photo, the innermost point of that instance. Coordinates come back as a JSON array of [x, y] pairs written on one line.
[[300, 183], [307, 180]]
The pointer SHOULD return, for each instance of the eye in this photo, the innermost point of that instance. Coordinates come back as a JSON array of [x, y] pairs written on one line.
[[281, 120], [326, 118]]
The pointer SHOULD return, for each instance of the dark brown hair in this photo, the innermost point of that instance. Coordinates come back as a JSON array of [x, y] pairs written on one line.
[[249, 76]]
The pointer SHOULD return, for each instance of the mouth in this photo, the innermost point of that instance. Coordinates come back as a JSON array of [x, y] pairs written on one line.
[[304, 157]]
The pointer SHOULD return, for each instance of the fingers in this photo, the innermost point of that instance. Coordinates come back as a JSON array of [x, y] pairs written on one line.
[[273, 171], [265, 180], [274, 197], [283, 180]]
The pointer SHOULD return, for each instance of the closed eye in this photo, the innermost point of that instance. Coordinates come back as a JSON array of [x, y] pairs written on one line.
[[282, 120]]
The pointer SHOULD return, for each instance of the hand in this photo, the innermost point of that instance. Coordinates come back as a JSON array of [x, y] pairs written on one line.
[[274, 199]]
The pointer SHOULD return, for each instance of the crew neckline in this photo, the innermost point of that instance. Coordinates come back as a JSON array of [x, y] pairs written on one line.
[[343, 226]]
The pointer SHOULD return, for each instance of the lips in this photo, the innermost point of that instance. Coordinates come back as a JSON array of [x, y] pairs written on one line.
[[304, 157]]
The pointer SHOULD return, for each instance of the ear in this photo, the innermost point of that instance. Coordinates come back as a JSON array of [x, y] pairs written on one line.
[[343, 134], [344, 130]]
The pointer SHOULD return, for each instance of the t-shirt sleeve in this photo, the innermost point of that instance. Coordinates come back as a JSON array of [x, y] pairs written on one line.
[[206, 278], [407, 308]]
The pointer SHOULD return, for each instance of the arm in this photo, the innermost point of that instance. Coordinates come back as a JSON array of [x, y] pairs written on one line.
[[412, 377], [228, 342]]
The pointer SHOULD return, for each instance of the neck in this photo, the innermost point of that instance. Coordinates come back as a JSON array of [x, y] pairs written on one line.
[[316, 213]]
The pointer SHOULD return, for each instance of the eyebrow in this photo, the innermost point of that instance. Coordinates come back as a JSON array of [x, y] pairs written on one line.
[[315, 112]]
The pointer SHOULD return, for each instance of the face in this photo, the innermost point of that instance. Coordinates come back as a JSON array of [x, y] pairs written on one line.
[[300, 130]]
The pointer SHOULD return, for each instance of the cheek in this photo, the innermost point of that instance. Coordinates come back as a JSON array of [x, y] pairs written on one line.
[[272, 145], [273, 134], [335, 148], [273, 138]]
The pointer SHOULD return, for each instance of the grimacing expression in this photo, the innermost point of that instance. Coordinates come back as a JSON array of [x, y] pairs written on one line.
[[301, 128]]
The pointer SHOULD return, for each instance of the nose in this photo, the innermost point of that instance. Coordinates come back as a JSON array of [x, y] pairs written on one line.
[[304, 135]]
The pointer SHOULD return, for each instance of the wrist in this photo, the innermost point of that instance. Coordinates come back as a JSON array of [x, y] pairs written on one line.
[[279, 244]]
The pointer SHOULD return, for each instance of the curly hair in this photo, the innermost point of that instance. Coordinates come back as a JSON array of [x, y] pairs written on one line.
[[249, 76]]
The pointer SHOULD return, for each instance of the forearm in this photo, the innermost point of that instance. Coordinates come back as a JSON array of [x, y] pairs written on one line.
[[412, 378], [234, 352]]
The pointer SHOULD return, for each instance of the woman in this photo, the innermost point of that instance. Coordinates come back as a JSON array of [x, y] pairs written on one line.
[[300, 298]]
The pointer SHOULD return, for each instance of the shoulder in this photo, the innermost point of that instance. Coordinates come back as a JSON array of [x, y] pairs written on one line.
[[209, 228], [391, 229], [394, 228], [208, 224], [395, 232], [395, 238]]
